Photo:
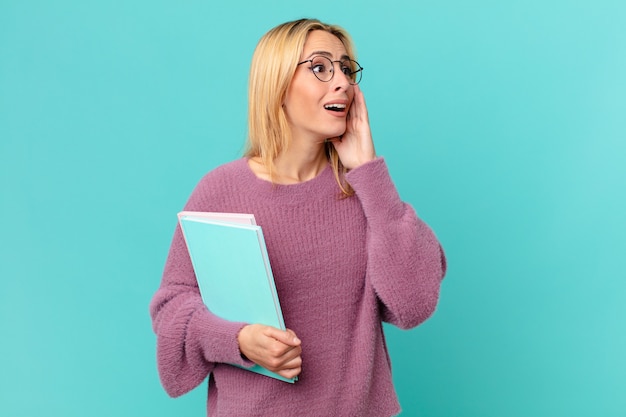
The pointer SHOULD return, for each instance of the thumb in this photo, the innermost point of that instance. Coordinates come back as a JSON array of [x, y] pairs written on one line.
[[287, 337]]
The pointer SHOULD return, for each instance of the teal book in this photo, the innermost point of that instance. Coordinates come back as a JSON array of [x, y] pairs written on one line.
[[234, 275]]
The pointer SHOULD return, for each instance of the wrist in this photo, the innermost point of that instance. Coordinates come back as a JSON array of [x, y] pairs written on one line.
[[241, 340]]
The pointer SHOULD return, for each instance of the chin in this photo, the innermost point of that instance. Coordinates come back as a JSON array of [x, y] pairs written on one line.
[[336, 133], [333, 135]]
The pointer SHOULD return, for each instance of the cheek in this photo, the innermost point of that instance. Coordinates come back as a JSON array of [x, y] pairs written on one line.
[[305, 102]]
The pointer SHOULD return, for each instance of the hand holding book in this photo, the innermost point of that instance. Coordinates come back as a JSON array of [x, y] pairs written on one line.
[[272, 348]]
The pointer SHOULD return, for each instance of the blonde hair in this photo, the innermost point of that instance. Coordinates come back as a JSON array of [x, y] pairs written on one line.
[[273, 65]]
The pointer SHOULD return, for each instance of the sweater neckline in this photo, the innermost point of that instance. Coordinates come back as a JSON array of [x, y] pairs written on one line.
[[251, 175], [308, 188]]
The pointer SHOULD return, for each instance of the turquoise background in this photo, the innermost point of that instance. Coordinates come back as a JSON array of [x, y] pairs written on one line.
[[503, 123]]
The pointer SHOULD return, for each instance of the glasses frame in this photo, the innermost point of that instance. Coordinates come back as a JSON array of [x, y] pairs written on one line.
[[358, 71]]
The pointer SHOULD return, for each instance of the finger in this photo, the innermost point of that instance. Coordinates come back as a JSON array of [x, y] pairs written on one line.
[[293, 365], [360, 99], [287, 337], [294, 362], [286, 360], [352, 113], [293, 335], [287, 357], [356, 101], [290, 373]]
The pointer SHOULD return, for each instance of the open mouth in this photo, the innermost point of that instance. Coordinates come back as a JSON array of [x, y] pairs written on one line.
[[335, 107]]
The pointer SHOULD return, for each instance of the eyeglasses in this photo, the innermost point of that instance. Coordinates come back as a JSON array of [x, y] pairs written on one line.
[[324, 69]]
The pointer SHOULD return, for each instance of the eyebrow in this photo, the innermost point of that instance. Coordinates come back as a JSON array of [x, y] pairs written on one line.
[[326, 54]]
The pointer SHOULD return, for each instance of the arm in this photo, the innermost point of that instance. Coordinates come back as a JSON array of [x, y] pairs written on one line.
[[405, 261], [190, 340]]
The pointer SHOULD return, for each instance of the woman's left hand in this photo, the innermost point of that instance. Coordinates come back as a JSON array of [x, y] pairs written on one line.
[[356, 146]]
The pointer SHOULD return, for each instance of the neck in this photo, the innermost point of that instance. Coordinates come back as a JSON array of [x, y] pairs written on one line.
[[299, 164]]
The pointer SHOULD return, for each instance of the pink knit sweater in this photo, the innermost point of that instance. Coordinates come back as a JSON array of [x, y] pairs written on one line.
[[341, 265]]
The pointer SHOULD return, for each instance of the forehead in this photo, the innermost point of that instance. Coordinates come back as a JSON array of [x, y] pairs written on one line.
[[320, 41]]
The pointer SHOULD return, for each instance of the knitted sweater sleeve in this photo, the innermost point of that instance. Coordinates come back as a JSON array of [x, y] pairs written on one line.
[[190, 339], [405, 262]]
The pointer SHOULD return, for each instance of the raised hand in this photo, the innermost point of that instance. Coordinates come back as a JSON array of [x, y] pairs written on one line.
[[272, 348], [356, 146]]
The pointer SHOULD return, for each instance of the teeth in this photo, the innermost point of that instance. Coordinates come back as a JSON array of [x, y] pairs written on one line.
[[335, 106]]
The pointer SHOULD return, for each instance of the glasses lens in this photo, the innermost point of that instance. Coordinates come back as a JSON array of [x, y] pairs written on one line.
[[355, 70], [322, 67]]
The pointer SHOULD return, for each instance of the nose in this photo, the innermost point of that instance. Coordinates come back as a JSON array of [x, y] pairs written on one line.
[[340, 79]]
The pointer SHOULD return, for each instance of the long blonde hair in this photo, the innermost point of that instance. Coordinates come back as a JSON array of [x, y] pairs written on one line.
[[273, 65]]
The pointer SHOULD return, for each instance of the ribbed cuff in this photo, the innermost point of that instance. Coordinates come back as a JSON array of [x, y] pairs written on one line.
[[222, 344]]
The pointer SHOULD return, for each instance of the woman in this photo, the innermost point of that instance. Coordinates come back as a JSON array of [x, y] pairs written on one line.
[[346, 252]]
